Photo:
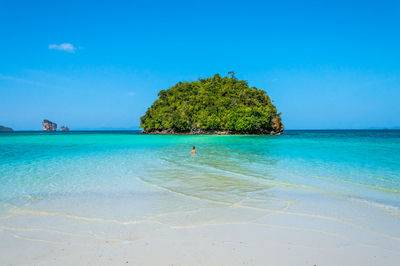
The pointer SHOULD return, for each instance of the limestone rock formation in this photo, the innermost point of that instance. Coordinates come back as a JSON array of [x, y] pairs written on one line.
[[49, 126], [64, 128]]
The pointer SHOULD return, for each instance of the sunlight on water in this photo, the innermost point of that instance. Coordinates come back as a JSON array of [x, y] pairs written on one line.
[[157, 174]]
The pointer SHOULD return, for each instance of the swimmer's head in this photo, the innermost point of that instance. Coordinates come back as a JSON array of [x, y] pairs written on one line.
[[194, 147]]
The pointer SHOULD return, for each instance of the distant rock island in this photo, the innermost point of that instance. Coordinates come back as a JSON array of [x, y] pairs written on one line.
[[49, 126], [217, 105], [64, 128], [3, 129]]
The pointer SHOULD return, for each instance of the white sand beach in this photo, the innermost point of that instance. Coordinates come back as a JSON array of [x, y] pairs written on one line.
[[308, 230]]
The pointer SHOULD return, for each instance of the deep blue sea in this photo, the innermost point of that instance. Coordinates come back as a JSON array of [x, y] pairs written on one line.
[[358, 165]]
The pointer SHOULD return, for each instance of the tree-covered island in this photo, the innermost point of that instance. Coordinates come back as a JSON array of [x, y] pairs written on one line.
[[212, 106], [5, 129]]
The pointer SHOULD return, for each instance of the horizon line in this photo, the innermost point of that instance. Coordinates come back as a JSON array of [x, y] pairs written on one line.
[[291, 129]]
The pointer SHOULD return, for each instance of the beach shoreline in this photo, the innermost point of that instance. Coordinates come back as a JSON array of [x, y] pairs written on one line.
[[106, 198], [307, 230]]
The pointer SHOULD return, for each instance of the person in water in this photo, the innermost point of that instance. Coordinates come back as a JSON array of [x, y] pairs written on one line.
[[193, 151]]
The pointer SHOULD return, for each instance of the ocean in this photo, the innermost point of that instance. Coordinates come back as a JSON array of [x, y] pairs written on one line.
[[351, 164], [118, 195]]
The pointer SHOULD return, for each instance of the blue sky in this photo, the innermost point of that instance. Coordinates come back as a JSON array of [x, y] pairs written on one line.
[[93, 65]]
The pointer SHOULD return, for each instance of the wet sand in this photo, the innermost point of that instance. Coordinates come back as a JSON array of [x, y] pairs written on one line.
[[308, 230]]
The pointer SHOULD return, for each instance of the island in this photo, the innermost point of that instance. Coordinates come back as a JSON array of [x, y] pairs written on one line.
[[64, 128], [5, 129], [215, 105], [49, 126]]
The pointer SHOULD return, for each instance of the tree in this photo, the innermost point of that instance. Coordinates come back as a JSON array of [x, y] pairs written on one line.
[[215, 103]]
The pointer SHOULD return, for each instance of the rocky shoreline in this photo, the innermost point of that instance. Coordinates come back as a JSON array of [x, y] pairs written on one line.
[[209, 132]]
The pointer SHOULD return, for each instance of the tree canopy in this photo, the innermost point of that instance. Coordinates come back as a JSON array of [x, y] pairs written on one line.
[[212, 104]]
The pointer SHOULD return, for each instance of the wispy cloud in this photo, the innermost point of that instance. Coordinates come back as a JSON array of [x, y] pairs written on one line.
[[20, 80], [131, 93], [67, 47], [26, 81]]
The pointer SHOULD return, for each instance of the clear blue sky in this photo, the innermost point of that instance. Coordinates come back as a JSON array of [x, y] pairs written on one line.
[[91, 64]]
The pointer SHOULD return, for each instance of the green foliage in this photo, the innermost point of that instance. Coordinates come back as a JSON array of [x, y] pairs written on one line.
[[212, 104]]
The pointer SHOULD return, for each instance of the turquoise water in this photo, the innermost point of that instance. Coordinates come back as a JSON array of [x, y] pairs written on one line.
[[352, 165]]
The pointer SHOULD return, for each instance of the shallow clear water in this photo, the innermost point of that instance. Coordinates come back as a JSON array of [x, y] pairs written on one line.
[[321, 192], [358, 165]]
